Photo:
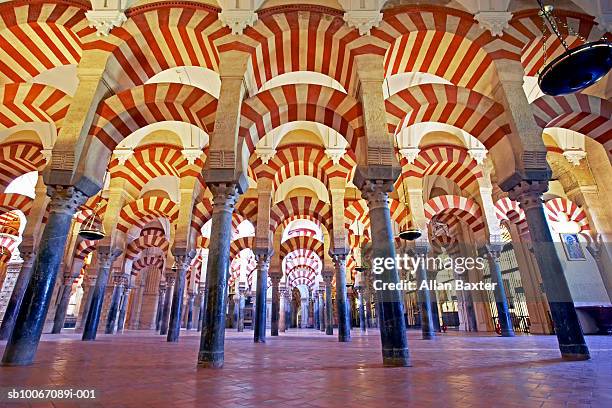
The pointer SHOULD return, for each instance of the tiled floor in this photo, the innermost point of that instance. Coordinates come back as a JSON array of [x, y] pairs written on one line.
[[309, 369]]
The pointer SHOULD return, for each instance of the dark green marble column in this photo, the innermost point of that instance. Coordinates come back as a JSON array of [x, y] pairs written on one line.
[[259, 320], [12, 308], [62, 306], [25, 336], [212, 343], [493, 252], [565, 319]]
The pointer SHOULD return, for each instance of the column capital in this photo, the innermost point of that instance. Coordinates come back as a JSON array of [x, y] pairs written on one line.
[[328, 276], [528, 193], [28, 255], [65, 199], [68, 279], [376, 192], [170, 278], [107, 255], [263, 257], [183, 258], [339, 259], [493, 250], [275, 277]]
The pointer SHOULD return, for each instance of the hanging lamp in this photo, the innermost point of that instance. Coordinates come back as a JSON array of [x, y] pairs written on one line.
[[577, 68], [91, 230]]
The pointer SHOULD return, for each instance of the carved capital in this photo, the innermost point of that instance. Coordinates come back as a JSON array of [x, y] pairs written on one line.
[[123, 155], [225, 196], [376, 193], [275, 277], [65, 199], [410, 153], [328, 276], [363, 20], [528, 193], [28, 255], [339, 260], [494, 21], [191, 155], [574, 156], [479, 155], [493, 250], [238, 20], [263, 259], [106, 256], [183, 260], [105, 20], [265, 153], [170, 278]]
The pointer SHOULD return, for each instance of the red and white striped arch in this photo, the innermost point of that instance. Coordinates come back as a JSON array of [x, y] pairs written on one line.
[[298, 38], [451, 162], [144, 210], [202, 211], [8, 244], [10, 222], [441, 41], [300, 257], [562, 209], [581, 113], [300, 102], [13, 201], [19, 158], [462, 208], [398, 212], [308, 160], [122, 114], [237, 245], [446, 242], [301, 275], [300, 207], [158, 37], [471, 111], [147, 261], [510, 210], [28, 103], [302, 242], [36, 36], [149, 238], [84, 248], [246, 209], [202, 242], [195, 267], [154, 160]]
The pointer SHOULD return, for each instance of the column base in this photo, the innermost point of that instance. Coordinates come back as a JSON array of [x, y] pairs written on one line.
[[344, 339], [508, 333], [329, 331], [575, 352], [396, 358], [429, 336], [259, 340], [213, 359]]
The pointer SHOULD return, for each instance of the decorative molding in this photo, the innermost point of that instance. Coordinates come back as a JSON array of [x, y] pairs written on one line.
[[191, 155], [574, 156], [105, 20], [222, 159], [479, 155], [123, 155], [363, 20], [378, 155], [265, 153], [494, 21], [335, 154], [238, 20], [410, 153]]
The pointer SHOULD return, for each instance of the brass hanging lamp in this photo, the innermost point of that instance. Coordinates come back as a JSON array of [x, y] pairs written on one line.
[[577, 68], [90, 229]]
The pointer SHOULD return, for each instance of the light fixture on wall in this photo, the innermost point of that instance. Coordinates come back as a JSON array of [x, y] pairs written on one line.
[[577, 68]]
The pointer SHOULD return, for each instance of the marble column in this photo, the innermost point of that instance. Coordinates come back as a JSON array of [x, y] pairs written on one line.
[[201, 310], [275, 277], [390, 308], [182, 262], [565, 319], [259, 323], [435, 314], [344, 315], [493, 252], [328, 276], [315, 310], [287, 310], [231, 311], [423, 294], [362, 314], [62, 305], [89, 284], [123, 307], [212, 343], [190, 302], [106, 257], [321, 307], [23, 341], [368, 309], [165, 318], [281, 318], [304, 315], [119, 282], [12, 308], [160, 305]]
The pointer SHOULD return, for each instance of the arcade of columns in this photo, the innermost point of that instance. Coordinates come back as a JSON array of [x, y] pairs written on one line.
[[234, 162]]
